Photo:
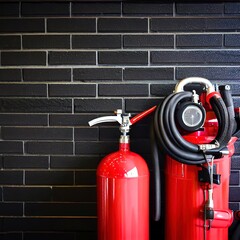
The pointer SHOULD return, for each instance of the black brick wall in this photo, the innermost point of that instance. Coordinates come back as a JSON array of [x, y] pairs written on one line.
[[64, 63]]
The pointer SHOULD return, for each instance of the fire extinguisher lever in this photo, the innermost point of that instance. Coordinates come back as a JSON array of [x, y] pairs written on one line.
[[122, 119], [105, 119]]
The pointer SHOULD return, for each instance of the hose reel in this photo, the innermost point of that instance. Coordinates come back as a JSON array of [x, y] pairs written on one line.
[[179, 108]]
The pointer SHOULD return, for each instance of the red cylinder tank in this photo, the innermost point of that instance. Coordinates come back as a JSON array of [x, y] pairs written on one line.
[[123, 196], [185, 194]]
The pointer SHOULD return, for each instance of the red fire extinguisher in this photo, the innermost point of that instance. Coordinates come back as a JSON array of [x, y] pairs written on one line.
[[122, 188], [197, 135]]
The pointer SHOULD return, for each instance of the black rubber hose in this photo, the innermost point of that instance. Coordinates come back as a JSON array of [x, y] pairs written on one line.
[[185, 145], [219, 119], [226, 94], [163, 129], [155, 178], [171, 140], [224, 129]]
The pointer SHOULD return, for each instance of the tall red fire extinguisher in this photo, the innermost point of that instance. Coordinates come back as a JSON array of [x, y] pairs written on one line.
[[197, 135], [122, 188]]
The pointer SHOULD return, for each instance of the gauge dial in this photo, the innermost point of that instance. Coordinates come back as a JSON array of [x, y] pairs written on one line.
[[192, 116]]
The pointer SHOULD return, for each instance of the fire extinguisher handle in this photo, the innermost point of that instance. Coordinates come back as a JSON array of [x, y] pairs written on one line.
[[180, 86], [105, 119]]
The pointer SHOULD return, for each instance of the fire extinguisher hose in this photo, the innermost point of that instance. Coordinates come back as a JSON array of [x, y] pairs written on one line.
[[225, 129], [169, 139]]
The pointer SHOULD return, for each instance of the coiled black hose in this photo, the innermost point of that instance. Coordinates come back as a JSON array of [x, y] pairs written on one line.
[[169, 139]]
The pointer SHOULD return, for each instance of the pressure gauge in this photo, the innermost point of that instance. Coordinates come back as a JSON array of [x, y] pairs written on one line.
[[191, 116]]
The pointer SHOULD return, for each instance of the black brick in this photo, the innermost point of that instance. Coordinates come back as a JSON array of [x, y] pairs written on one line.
[[85, 177], [86, 134], [123, 25], [72, 162], [123, 90], [194, 24], [212, 73], [60, 209], [195, 57], [28, 133], [11, 236], [11, 147], [141, 146], [23, 58], [237, 144], [176, 24], [49, 147], [31, 9], [235, 89], [232, 40], [35, 105], [199, 8], [95, 8], [27, 193], [234, 178], [22, 25], [46, 42], [148, 41], [236, 102], [234, 206], [138, 105], [96, 41], [9, 9], [10, 42], [87, 235], [23, 90], [235, 162], [11, 177], [232, 8], [10, 75], [11, 209], [234, 194], [49, 236], [49, 224], [223, 24], [96, 147], [23, 162], [141, 131], [72, 58], [46, 75], [148, 74], [123, 58], [199, 41], [71, 25], [162, 89], [70, 120], [109, 133], [49, 177], [147, 9], [97, 74], [23, 120], [73, 90], [74, 194], [97, 105]]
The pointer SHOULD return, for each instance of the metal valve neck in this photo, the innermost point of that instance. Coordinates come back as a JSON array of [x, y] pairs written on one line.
[[124, 139]]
